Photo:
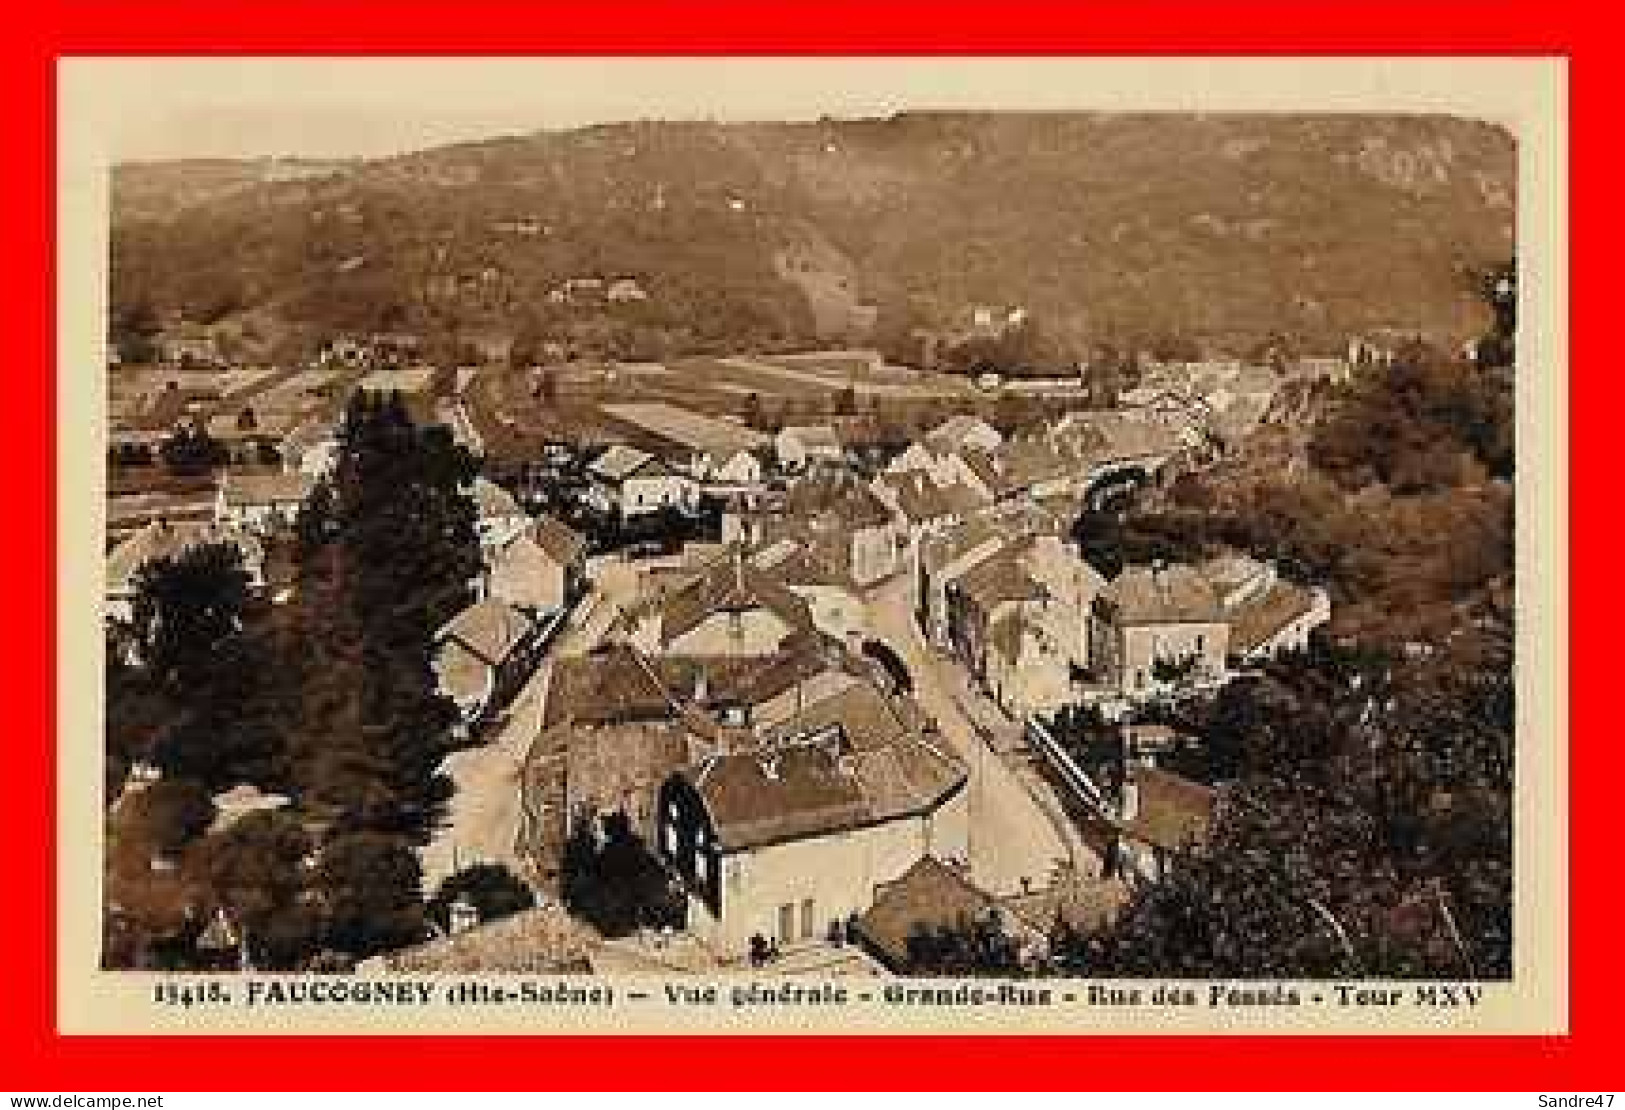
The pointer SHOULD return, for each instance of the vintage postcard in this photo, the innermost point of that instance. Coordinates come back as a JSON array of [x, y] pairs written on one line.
[[813, 545]]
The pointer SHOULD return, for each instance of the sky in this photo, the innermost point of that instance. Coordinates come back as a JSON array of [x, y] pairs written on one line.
[[159, 108]]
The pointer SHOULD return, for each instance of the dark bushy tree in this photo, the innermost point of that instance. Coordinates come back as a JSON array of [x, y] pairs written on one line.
[[1415, 424], [187, 606], [369, 888], [231, 724], [1498, 285], [255, 872], [1366, 831], [976, 945], [490, 888], [610, 878], [133, 331], [192, 450], [168, 813], [388, 555]]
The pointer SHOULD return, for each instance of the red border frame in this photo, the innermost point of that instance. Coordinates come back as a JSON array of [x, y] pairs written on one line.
[[35, 1057]]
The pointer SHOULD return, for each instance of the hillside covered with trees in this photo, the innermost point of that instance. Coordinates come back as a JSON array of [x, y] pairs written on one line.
[[769, 235]]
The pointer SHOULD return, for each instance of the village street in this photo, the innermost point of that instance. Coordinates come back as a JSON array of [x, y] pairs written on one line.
[[1012, 836], [482, 818], [1017, 831]]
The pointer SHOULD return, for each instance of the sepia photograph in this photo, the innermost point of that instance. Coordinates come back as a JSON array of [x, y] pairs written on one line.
[[965, 538]]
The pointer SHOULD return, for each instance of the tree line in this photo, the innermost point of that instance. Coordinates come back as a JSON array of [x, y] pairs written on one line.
[[328, 700]]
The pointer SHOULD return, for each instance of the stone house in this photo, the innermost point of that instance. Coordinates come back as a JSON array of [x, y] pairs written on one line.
[[260, 503], [1268, 615], [797, 447], [632, 482], [482, 657], [728, 608], [1162, 816], [787, 840], [541, 570], [1156, 627], [499, 519]]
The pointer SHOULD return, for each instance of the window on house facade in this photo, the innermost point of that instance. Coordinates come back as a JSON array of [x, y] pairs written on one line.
[[787, 921], [806, 918], [669, 828]]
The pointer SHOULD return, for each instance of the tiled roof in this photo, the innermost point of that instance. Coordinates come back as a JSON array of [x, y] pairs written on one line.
[[490, 629], [799, 791], [960, 499], [561, 542], [798, 562], [275, 488], [929, 895], [688, 429], [848, 760], [1255, 620], [815, 436], [620, 462], [1084, 905], [1173, 594], [492, 501], [545, 941], [605, 687], [611, 761], [954, 433], [838, 496], [863, 713], [801, 661], [999, 579], [518, 573], [921, 500], [730, 584], [1129, 439], [1031, 461], [1174, 813]]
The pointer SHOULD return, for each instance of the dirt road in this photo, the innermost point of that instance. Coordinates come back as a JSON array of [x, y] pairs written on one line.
[[1011, 836]]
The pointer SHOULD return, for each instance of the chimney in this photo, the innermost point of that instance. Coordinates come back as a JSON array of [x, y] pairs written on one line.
[[463, 915], [1130, 805]]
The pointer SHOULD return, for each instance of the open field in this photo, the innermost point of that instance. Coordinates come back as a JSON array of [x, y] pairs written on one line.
[[829, 374], [687, 428]]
